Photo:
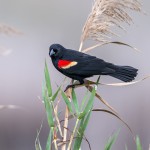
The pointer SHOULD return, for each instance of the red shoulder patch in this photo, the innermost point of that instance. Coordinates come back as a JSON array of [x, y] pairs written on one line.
[[65, 64]]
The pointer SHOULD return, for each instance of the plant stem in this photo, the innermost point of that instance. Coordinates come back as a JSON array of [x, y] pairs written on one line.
[[81, 44], [68, 93], [57, 119], [55, 144], [72, 136], [65, 128]]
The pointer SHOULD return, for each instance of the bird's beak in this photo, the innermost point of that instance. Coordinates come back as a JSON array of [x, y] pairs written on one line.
[[52, 52]]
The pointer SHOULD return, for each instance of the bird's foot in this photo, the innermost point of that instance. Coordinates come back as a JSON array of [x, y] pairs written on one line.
[[69, 86]]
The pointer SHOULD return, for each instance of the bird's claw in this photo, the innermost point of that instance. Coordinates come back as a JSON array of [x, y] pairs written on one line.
[[69, 86]]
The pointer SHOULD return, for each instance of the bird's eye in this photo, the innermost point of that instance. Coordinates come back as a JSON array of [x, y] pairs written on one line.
[[53, 52]]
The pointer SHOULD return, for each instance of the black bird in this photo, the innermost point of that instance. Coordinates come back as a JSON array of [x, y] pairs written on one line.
[[77, 65]]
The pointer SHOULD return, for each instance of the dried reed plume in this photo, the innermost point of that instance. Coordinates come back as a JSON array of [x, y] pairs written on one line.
[[104, 15], [9, 107], [9, 30]]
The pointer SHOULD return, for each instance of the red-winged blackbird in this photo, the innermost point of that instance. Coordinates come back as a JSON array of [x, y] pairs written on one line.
[[78, 65]]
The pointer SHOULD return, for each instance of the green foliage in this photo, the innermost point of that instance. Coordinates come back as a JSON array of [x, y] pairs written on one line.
[[49, 141], [75, 102], [138, 144], [47, 79], [67, 101], [111, 141], [89, 104], [81, 115], [48, 107], [48, 99], [83, 124], [55, 95]]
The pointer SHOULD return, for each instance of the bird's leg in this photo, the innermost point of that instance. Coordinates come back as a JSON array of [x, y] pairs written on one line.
[[74, 85]]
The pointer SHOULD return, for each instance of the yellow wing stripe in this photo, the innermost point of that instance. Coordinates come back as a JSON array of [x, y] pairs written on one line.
[[73, 63]]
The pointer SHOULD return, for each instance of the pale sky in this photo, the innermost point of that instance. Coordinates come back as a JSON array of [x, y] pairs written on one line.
[[52, 21]]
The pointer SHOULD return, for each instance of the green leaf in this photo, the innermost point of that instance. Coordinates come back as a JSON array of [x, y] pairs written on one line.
[[83, 124], [49, 141], [111, 141], [43, 90], [68, 103], [48, 107], [86, 120], [84, 100], [138, 143], [75, 102], [55, 95], [47, 79], [89, 104]]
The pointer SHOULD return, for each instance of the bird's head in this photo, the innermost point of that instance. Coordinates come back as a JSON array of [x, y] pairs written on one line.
[[56, 51]]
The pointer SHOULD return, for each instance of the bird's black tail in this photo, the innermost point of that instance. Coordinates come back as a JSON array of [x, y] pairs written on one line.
[[124, 73]]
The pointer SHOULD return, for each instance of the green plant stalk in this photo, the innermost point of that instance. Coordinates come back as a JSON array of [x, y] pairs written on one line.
[[72, 135], [82, 127], [49, 141]]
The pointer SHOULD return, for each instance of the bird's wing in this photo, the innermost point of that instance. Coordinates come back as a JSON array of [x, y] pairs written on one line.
[[81, 64]]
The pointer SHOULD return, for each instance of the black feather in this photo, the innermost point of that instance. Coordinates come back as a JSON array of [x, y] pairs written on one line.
[[124, 73], [88, 66]]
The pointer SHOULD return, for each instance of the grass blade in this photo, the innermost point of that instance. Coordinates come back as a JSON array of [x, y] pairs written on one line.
[[90, 88], [55, 95], [48, 108], [72, 135], [89, 104], [47, 79], [83, 124], [84, 118], [49, 141], [111, 141], [68, 103], [84, 100], [75, 102], [138, 143]]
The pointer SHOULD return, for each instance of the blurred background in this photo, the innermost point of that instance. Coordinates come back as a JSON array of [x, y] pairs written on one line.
[[22, 60]]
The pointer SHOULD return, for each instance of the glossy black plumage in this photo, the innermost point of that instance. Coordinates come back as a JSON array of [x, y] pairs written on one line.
[[85, 65]]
